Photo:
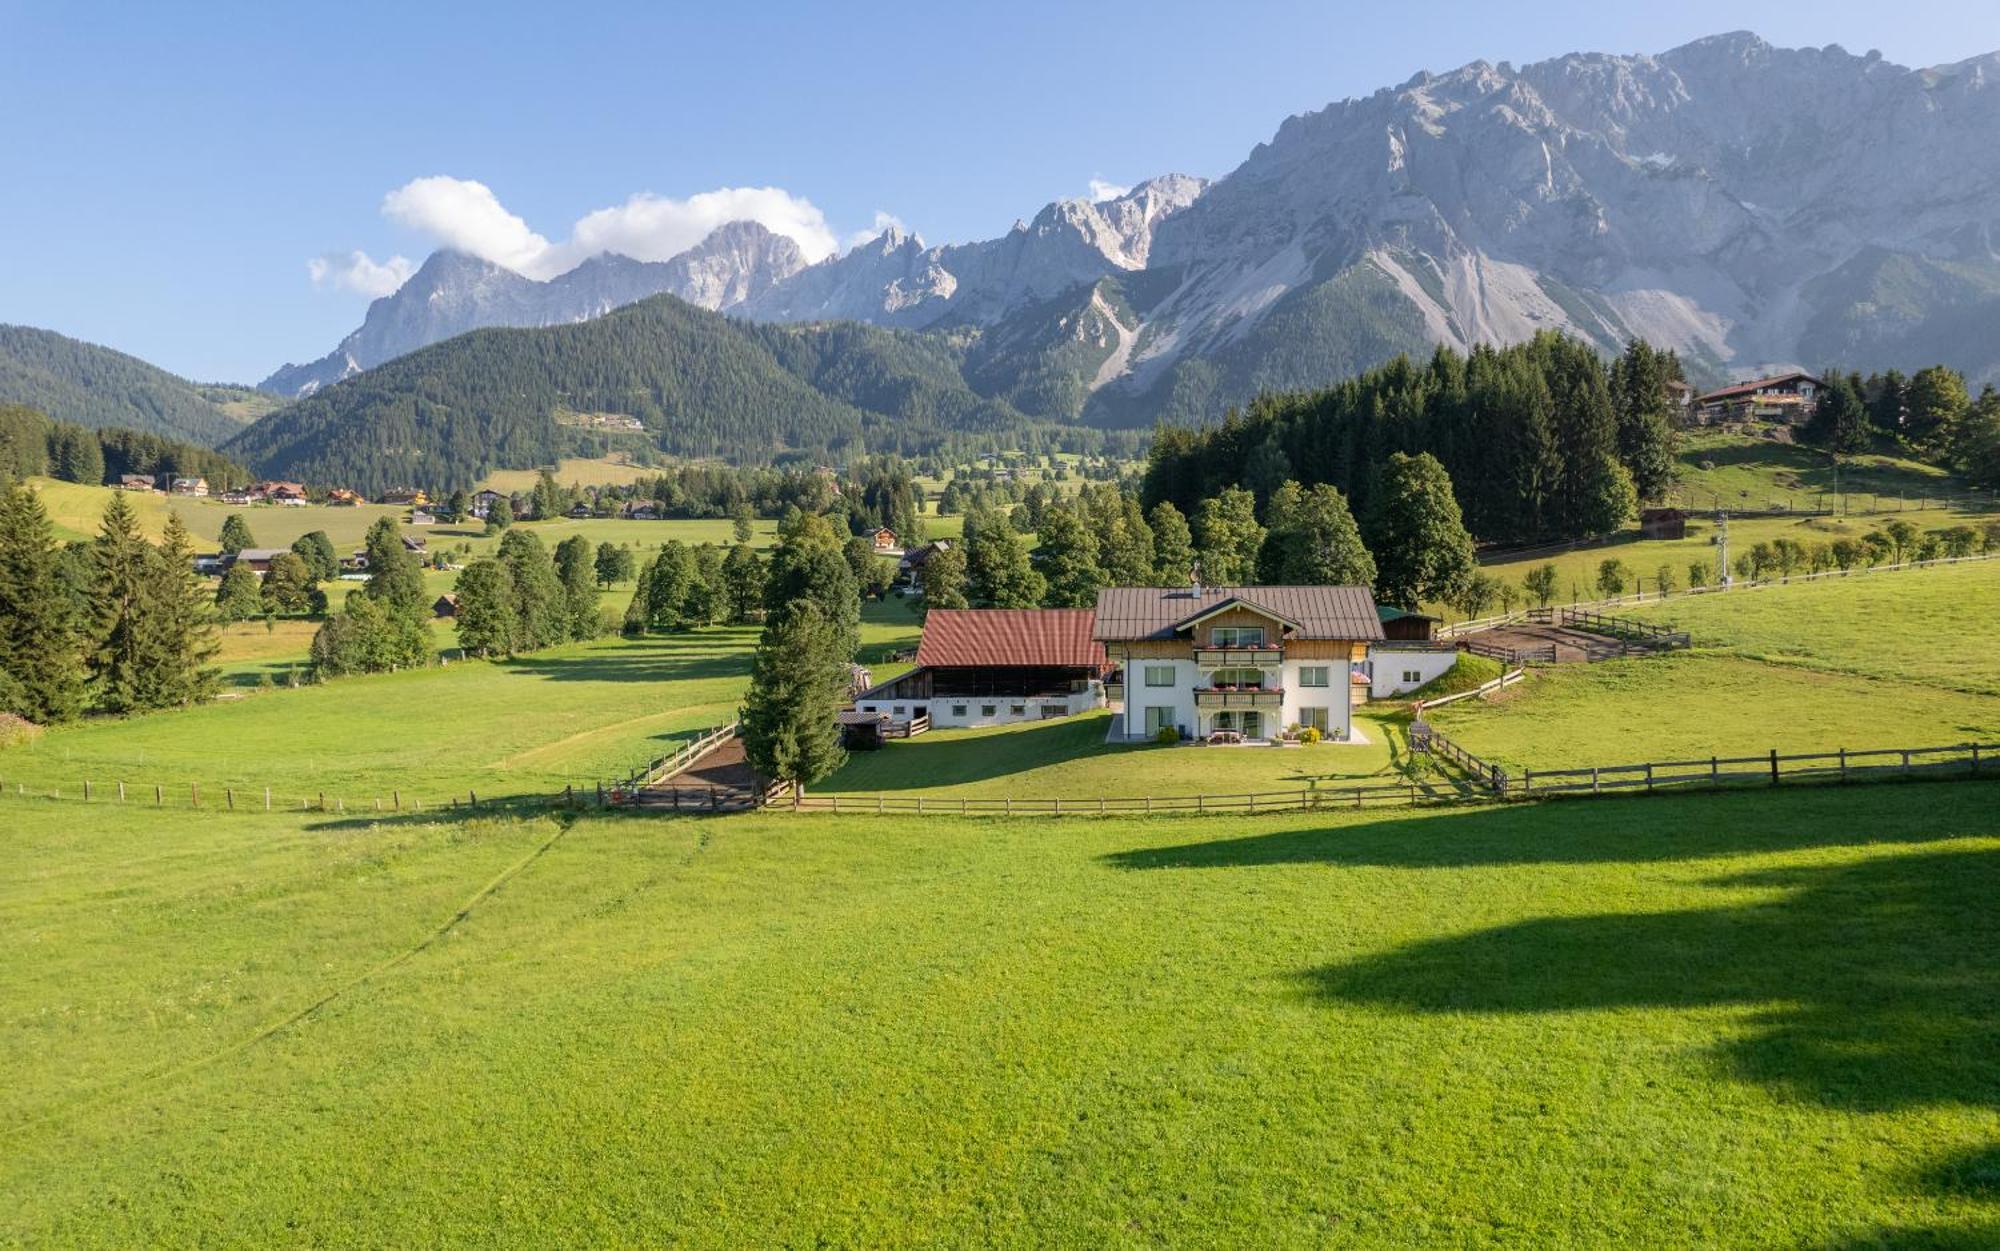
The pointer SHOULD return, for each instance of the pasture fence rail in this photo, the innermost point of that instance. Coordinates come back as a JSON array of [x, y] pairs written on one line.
[[1481, 691], [668, 765]]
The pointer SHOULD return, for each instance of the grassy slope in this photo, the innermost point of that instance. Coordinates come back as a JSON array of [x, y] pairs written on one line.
[[1886, 660], [1737, 471], [1734, 1020]]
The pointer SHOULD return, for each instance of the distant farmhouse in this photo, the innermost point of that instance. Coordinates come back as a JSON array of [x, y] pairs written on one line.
[[195, 488], [136, 482], [483, 502], [1785, 399], [405, 497]]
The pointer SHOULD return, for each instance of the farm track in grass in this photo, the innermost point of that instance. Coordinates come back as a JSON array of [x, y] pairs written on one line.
[[1745, 1019]]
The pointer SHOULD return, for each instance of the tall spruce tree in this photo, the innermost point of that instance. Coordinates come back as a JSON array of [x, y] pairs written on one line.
[[40, 658], [235, 534], [1422, 549], [798, 681], [186, 621], [125, 660], [1839, 422], [1647, 439]]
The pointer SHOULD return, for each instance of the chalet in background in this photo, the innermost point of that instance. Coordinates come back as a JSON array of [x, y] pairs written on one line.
[[1785, 399]]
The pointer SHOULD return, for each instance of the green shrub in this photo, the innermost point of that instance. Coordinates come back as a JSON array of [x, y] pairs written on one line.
[[1309, 735], [1167, 734]]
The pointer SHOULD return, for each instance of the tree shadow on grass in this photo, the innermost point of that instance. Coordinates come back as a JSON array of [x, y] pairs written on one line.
[[1872, 986], [1638, 829]]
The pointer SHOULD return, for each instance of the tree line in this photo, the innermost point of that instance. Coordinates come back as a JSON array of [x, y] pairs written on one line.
[[1931, 414], [35, 445]]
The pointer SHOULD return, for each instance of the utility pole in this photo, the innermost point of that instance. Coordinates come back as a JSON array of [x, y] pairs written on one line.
[[1722, 546]]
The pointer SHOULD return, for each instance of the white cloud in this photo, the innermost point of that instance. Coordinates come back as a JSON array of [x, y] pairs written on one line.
[[466, 216], [1100, 190], [883, 221], [360, 273]]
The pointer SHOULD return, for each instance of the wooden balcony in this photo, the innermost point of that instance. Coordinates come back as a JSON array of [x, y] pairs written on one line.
[[1263, 697], [1238, 657]]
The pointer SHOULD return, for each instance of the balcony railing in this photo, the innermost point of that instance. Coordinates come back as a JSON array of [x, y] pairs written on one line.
[[1257, 697], [1238, 657]]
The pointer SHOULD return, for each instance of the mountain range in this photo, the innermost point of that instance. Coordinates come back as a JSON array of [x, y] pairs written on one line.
[[1747, 205], [94, 386]]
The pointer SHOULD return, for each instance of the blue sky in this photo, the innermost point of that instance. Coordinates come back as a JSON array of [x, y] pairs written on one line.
[[172, 170]]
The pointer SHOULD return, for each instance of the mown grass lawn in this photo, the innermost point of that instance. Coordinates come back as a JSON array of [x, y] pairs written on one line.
[[1069, 759], [1904, 659], [1766, 1019]]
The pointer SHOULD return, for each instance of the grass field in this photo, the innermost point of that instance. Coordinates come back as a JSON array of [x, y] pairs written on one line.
[[570, 471], [1903, 659], [1736, 471], [1740, 1020], [1069, 759], [572, 714]]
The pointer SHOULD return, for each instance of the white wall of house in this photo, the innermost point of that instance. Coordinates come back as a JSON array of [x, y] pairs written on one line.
[[1394, 671], [1293, 709], [971, 711]]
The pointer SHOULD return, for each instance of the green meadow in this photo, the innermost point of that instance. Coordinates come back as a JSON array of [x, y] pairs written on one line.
[[1758, 1019]]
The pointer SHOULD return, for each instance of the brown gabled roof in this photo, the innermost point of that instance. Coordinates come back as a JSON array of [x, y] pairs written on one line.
[[1132, 613], [1009, 636], [1750, 388]]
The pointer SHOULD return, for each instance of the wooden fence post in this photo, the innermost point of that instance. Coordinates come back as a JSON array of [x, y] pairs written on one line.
[[1843, 764], [1906, 760], [1714, 772], [1774, 766], [229, 794], [1595, 789], [267, 799], [86, 790], [396, 798], [121, 792], [1975, 757], [1649, 776], [159, 796]]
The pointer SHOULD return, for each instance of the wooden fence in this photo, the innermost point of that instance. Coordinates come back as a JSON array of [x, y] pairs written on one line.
[[1770, 769], [1478, 692], [668, 765]]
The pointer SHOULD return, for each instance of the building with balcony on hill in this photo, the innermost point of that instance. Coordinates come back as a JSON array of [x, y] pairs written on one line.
[[992, 666], [1250, 661]]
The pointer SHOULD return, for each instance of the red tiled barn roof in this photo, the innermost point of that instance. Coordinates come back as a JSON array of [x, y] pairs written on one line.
[[1010, 636]]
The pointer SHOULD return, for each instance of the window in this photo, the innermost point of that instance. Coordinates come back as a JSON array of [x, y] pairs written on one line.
[[1236, 636], [1314, 675], [1238, 677], [899, 710], [1158, 718], [958, 710], [1413, 675], [1315, 718], [1159, 675], [868, 708], [1017, 710], [986, 710]]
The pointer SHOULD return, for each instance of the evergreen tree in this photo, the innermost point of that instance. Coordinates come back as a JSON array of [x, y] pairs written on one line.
[[1839, 422], [1315, 542], [1933, 404], [998, 574], [638, 611], [1422, 549], [186, 622], [942, 579], [798, 681], [235, 534], [458, 507], [40, 662], [743, 584], [124, 658], [1068, 549], [1976, 446], [1173, 546], [239, 596], [1228, 538], [317, 550], [548, 502], [740, 527], [871, 573], [576, 568], [541, 612], [499, 515], [1647, 440], [486, 616]]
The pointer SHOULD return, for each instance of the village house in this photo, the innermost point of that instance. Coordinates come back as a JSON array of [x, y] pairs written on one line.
[[579, 511], [242, 495], [257, 559], [884, 539], [405, 497], [194, 488], [482, 503], [290, 494], [641, 510], [1409, 655], [341, 497], [422, 517], [445, 606], [993, 666], [1246, 662], [1787, 399], [136, 482], [913, 561]]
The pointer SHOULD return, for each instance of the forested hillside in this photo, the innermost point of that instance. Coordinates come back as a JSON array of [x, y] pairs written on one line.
[[94, 386], [700, 383], [31, 444]]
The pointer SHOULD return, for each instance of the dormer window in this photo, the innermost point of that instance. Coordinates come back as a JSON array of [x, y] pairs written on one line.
[[1236, 636]]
